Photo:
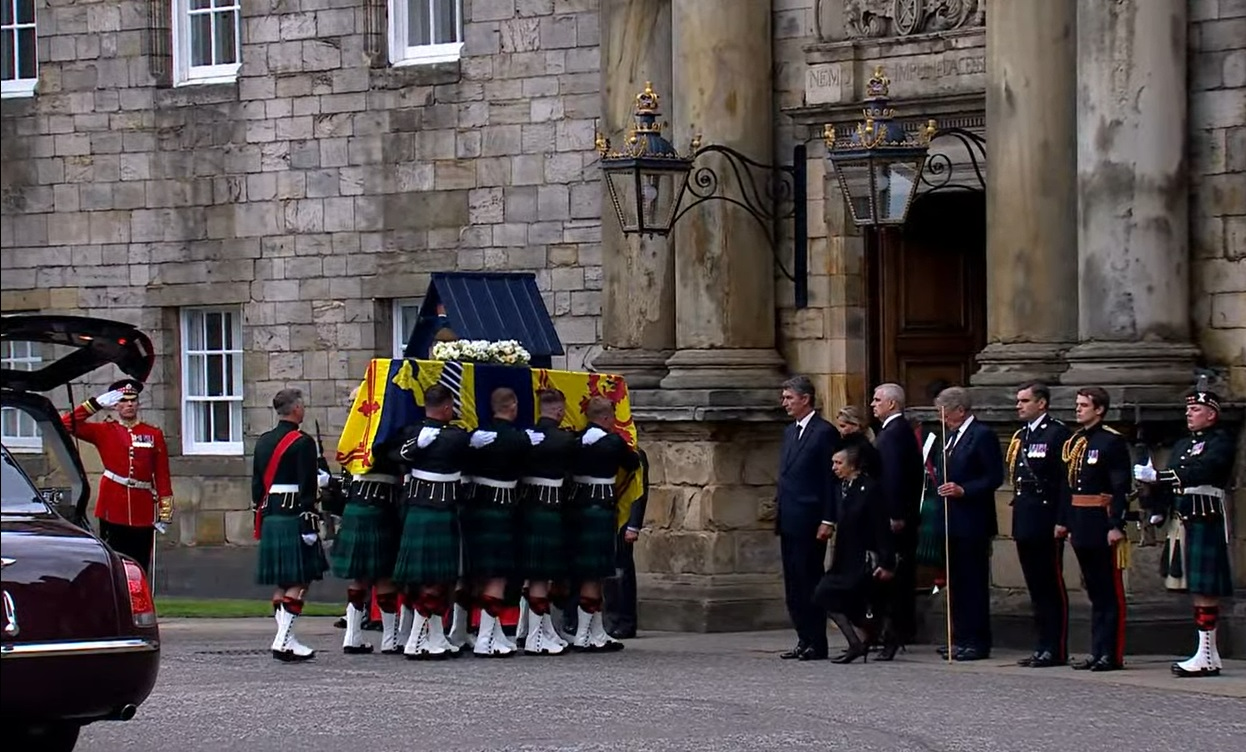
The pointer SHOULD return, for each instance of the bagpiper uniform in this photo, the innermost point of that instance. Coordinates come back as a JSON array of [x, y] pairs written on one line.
[[542, 538], [1037, 474], [135, 491], [591, 524], [429, 553], [367, 546], [1191, 494], [287, 513], [1095, 500], [498, 460]]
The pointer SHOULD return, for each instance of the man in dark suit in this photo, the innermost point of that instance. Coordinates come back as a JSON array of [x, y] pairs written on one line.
[[900, 480], [620, 590], [974, 466], [805, 500]]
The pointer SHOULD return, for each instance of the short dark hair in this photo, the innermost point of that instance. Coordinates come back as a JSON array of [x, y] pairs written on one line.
[[502, 398], [801, 385], [438, 395], [552, 398], [286, 400], [599, 407], [1097, 395], [1039, 389]]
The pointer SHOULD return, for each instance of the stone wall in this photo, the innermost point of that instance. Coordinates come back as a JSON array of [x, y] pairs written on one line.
[[313, 190]]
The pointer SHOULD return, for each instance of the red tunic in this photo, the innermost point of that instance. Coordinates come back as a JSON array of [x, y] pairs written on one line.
[[136, 453]]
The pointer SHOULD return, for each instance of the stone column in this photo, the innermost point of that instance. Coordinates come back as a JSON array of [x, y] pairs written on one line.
[[1031, 145], [638, 301], [1132, 194], [724, 270]]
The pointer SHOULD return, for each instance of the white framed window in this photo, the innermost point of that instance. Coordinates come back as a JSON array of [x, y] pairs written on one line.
[[18, 429], [19, 69], [425, 31], [207, 41], [406, 311], [212, 380]]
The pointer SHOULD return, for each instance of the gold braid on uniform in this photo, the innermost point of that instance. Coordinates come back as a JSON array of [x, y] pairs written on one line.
[[1072, 452], [1014, 446]]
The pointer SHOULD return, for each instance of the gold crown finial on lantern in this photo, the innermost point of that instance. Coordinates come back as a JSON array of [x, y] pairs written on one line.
[[879, 85], [647, 100]]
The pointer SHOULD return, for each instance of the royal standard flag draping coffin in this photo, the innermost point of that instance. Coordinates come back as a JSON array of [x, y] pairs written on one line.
[[392, 396]]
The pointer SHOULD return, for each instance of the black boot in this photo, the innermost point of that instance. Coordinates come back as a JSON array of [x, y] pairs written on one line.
[[891, 642], [856, 647]]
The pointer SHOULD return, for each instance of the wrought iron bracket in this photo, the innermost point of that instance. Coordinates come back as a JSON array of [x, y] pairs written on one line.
[[769, 193], [937, 174]]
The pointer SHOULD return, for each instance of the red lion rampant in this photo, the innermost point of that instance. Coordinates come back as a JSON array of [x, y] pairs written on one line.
[[614, 389]]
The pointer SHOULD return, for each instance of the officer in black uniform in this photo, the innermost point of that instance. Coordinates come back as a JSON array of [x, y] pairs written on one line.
[[1037, 472], [1092, 515]]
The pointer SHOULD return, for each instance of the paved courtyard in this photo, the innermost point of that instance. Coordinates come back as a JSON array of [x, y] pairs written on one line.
[[219, 690]]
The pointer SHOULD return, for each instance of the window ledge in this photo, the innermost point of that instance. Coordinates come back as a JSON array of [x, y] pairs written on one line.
[[21, 446], [226, 449], [21, 88], [216, 74]]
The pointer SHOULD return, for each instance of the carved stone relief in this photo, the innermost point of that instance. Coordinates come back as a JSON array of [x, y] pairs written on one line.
[[871, 19]]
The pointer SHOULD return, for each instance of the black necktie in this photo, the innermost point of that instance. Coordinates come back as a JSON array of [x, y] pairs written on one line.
[[951, 441]]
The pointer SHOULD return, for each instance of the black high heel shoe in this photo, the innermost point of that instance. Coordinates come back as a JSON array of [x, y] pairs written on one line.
[[852, 653], [857, 648], [890, 645]]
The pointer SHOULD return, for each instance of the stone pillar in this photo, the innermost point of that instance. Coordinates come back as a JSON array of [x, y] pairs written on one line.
[[1132, 195], [1031, 145], [724, 270], [638, 301]]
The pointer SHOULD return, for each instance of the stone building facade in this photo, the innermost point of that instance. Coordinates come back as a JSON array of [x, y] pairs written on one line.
[[269, 205]]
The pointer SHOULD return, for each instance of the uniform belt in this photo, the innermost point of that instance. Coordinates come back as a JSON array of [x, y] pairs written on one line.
[[1092, 500], [142, 485], [588, 480], [436, 477], [491, 483], [1203, 491], [547, 482], [391, 480], [284, 488]]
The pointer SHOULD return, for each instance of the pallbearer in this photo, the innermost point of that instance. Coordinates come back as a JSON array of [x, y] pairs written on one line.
[[592, 518], [1190, 494], [428, 555]]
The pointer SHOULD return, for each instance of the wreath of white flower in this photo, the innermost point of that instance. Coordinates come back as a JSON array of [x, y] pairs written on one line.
[[506, 352]]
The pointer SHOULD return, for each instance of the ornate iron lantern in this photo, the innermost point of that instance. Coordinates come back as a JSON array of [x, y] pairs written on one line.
[[647, 177], [879, 165]]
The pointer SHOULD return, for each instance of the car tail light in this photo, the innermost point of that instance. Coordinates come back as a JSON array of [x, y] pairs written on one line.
[[141, 606]]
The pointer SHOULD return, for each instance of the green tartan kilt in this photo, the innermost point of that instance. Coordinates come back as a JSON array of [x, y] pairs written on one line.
[[367, 543], [590, 542], [542, 548], [930, 548], [490, 531], [429, 552], [284, 559], [1202, 557]]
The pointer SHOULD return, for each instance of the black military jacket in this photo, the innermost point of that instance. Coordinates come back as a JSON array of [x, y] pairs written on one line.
[[1203, 458], [1098, 462], [297, 467], [1037, 472], [552, 457], [445, 455], [604, 457], [506, 457]]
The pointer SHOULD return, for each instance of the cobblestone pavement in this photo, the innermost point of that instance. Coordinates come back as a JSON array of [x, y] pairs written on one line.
[[219, 690]]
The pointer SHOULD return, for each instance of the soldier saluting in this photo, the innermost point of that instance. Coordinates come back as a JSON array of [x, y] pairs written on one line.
[[1037, 472], [136, 470], [1190, 494], [1093, 517]]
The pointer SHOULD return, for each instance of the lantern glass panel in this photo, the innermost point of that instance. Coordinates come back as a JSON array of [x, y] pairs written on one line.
[[622, 184]]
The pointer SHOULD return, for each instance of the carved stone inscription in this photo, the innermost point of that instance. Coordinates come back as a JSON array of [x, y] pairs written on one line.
[[953, 72]]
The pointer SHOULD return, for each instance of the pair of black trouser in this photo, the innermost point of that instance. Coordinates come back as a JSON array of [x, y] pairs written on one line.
[[1106, 590], [135, 542], [619, 592], [901, 592], [803, 566], [1042, 564], [969, 584]]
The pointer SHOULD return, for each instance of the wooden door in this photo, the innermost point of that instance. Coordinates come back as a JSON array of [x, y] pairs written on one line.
[[928, 281]]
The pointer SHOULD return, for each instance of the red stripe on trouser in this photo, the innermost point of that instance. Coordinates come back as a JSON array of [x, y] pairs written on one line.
[[1118, 652], [1063, 647]]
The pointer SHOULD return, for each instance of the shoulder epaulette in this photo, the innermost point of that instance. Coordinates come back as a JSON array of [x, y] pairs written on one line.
[[1110, 429], [1017, 433]]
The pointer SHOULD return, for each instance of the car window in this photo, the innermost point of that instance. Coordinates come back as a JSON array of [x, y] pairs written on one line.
[[17, 494]]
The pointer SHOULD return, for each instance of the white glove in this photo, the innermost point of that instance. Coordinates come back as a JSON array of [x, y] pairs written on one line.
[[482, 439], [109, 399], [428, 434], [1144, 473], [161, 527], [592, 436], [1156, 519], [536, 437], [322, 479], [309, 538]]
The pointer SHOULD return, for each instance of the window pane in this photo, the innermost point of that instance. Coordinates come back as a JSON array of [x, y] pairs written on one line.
[[235, 376], [201, 416], [199, 4], [27, 58], [194, 331], [7, 69], [215, 335], [195, 383], [220, 420], [235, 421], [8, 422], [445, 22], [201, 39], [228, 321], [25, 11], [418, 22], [226, 48], [27, 428], [216, 376], [6, 13]]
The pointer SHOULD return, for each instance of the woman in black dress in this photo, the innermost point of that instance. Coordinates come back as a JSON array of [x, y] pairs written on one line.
[[863, 552]]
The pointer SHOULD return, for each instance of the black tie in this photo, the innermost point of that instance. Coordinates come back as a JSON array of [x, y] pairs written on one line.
[[951, 441]]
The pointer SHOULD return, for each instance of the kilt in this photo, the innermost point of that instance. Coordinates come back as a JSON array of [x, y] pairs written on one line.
[[1196, 559], [930, 544], [367, 543], [429, 551], [490, 532], [284, 559], [542, 553], [590, 542]]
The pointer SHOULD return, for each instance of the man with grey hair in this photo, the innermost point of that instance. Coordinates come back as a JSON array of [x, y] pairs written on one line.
[[973, 468], [900, 461], [804, 501], [283, 492]]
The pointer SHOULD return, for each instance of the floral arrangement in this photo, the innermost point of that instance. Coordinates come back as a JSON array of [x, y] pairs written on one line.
[[507, 352]]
